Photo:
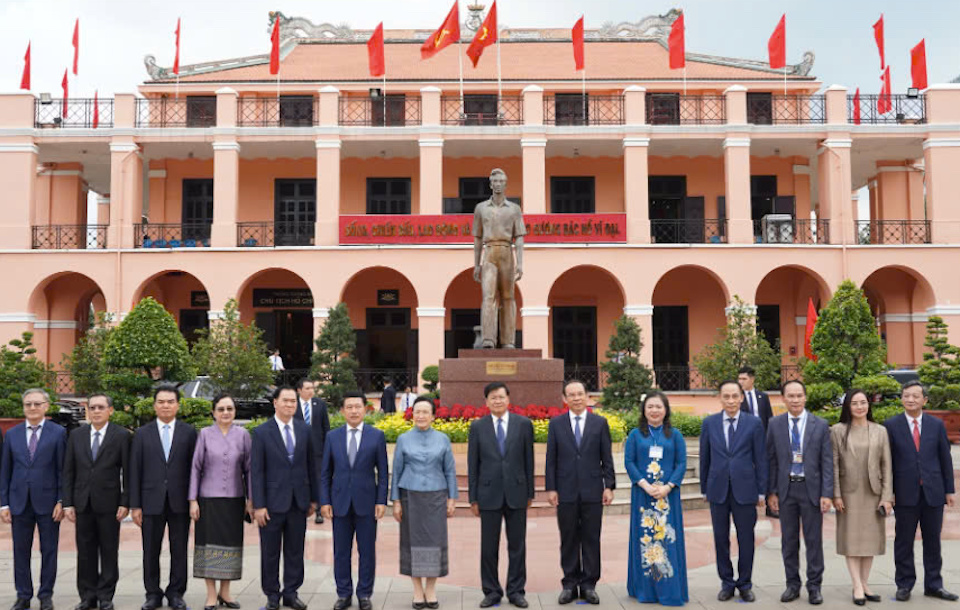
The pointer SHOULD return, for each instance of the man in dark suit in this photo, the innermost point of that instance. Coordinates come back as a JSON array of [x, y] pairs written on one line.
[[30, 475], [388, 400], [922, 484], [755, 402], [580, 480], [96, 496], [500, 467], [353, 492], [801, 487], [733, 478], [160, 461], [313, 411], [285, 494]]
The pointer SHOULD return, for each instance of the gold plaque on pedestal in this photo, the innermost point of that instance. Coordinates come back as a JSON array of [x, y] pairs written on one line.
[[495, 367]]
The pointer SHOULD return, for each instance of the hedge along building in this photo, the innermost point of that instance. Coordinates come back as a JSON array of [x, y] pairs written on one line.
[[644, 198]]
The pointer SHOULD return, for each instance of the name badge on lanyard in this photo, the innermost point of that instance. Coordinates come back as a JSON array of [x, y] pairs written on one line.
[[656, 452], [798, 457]]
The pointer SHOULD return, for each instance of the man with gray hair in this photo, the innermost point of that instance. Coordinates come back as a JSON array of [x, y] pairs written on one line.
[[33, 460]]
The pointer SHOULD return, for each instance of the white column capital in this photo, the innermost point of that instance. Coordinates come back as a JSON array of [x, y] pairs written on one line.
[[327, 144], [750, 308], [638, 310], [908, 318], [18, 317], [329, 89], [234, 146], [155, 173], [122, 147], [19, 148], [735, 89], [431, 312], [801, 170], [532, 89], [431, 142], [838, 143], [636, 142], [736, 143], [213, 315], [944, 310], [56, 324], [533, 143], [941, 143], [534, 312], [321, 312]]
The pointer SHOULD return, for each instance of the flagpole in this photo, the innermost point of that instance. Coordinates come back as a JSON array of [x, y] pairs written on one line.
[[383, 94], [177, 92], [684, 77], [460, 62], [499, 79], [583, 98]]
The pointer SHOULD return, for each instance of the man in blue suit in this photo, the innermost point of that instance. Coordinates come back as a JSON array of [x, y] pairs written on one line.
[[30, 496], [922, 484], [353, 492], [733, 478], [285, 492]]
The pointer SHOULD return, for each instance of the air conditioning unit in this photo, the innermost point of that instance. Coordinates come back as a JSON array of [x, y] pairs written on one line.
[[777, 228]]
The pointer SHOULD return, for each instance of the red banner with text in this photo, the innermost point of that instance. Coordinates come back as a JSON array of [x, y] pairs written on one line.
[[457, 229]]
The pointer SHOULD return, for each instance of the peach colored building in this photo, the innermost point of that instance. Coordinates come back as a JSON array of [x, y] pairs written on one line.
[[645, 196]]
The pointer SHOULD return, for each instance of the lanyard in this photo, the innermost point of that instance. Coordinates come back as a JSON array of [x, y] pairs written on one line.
[[801, 426], [655, 436]]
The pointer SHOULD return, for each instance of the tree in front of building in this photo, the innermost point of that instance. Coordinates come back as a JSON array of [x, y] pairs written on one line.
[[940, 370], [740, 344], [146, 347], [627, 378], [334, 365], [20, 370], [849, 350], [85, 362], [431, 380], [234, 355]]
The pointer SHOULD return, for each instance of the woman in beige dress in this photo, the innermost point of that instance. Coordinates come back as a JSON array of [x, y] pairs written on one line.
[[863, 490]]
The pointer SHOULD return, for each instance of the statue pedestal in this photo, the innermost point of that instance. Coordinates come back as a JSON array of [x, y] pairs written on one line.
[[532, 379]]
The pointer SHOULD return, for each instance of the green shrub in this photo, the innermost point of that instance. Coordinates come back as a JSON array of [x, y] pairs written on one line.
[[20, 370], [627, 378], [823, 395], [194, 411], [688, 425], [431, 377]]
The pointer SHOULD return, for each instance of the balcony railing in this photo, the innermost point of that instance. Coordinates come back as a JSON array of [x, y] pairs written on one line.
[[792, 232], [69, 237], [906, 110], [676, 109], [570, 109], [396, 111], [166, 235], [870, 232], [166, 112], [270, 234], [481, 110], [688, 231], [791, 109], [80, 113], [287, 111]]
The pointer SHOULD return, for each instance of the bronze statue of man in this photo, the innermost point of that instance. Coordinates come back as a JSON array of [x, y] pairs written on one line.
[[498, 231]]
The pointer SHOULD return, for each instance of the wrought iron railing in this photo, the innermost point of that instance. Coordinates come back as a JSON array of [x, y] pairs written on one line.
[[270, 234], [165, 112], [893, 232], [592, 377], [905, 110], [570, 109], [373, 380], [792, 232], [688, 231], [677, 109], [396, 111], [672, 378], [287, 111], [790, 109], [69, 237], [170, 235], [84, 113], [508, 110]]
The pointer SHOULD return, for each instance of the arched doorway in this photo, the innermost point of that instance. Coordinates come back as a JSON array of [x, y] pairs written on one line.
[[281, 304], [899, 298], [782, 299], [183, 295], [65, 306]]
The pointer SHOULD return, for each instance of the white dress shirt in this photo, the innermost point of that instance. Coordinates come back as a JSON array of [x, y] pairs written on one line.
[[283, 431], [752, 404], [726, 425], [506, 422], [39, 431], [359, 430], [160, 425], [103, 434], [919, 421], [573, 422], [801, 425]]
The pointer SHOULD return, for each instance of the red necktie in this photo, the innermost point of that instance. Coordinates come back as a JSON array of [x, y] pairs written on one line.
[[916, 435]]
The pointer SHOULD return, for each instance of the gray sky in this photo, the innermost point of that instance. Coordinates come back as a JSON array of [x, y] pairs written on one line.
[[115, 34]]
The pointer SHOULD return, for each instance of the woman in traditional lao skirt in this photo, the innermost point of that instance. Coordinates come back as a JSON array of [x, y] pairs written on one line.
[[656, 460]]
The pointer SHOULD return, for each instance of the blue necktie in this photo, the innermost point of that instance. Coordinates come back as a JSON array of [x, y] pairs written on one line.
[[795, 469], [576, 430], [289, 443], [501, 438], [165, 440], [352, 447], [730, 430], [306, 412], [95, 449], [753, 408]]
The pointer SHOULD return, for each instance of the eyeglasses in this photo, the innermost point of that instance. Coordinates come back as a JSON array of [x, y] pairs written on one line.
[[34, 405], [224, 409]]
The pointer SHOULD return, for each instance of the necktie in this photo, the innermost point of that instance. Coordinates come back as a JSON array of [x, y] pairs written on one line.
[[795, 468], [289, 442], [165, 440], [306, 412], [501, 437], [34, 438], [576, 430], [916, 435], [352, 447], [730, 430], [753, 409], [96, 445]]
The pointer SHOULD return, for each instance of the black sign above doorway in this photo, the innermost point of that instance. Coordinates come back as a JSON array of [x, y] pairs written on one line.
[[199, 298], [388, 298], [282, 297]]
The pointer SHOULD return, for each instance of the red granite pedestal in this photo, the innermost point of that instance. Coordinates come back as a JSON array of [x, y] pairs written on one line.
[[532, 379]]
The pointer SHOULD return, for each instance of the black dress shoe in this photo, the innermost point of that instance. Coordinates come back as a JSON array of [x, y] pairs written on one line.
[[870, 597], [318, 518], [815, 597], [490, 600], [903, 595], [859, 601], [272, 605], [46, 603], [418, 605], [20, 604], [789, 595], [233, 605], [213, 607], [107, 605], [151, 604], [725, 595], [433, 605], [85, 605], [943, 594], [296, 603], [519, 601], [566, 596], [343, 603], [748, 595], [590, 596], [177, 603], [364, 603]]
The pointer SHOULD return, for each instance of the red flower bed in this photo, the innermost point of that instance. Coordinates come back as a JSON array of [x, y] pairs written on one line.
[[459, 411]]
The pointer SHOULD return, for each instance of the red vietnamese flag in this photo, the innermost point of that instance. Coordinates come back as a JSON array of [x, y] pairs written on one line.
[[677, 44], [918, 65], [96, 111], [25, 78], [375, 52], [878, 36], [447, 34], [176, 57], [577, 34], [275, 47], [76, 45], [808, 334], [485, 36], [66, 92], [884, 101], [777, 45], [856, 107]]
